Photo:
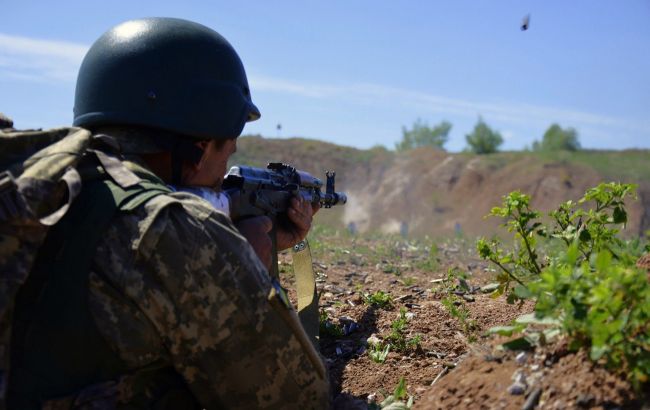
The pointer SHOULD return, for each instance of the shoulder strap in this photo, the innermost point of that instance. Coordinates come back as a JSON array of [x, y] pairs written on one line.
[[56, 347]]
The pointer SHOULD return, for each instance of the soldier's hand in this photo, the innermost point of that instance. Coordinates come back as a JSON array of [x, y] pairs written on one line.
[[300, 214], [256, 231]]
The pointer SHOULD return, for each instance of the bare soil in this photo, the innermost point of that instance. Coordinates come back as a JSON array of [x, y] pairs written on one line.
[[455, 364]]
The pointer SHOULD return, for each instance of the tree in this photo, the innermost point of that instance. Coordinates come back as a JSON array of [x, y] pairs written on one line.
[[556, 139], [421, 135], [483, 140]]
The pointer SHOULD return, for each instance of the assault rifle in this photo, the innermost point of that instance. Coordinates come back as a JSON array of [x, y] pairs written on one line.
[[258, 191]]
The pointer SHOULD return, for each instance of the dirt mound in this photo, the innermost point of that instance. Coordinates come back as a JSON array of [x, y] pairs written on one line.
[[549, 378], [442, 295]]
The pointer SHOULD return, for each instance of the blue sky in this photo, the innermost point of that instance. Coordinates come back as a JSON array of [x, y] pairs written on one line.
[[355, 72]]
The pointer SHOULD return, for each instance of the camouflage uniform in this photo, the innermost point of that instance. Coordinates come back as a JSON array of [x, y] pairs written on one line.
[[175, 284]]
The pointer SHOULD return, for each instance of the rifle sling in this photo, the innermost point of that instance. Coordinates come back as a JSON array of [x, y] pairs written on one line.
[[306, 290]]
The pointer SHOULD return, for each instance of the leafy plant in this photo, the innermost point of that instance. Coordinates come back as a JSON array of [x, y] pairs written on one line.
[[378, 299], [378, 352], [456, 279], [397, 336], [590, 289], [603, 305], [399, 400], [458, 310], [327, 327]]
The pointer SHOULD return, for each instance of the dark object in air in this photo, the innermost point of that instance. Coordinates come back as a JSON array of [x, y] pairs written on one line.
[[525, 23]]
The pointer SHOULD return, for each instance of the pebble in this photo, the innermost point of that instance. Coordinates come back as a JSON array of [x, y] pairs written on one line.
[[585, 400], [517, 389], [521, 358], [490, 288], [532, 400], [410, 315], [468, 298], [334, 289], [519, 377], [435, 354]]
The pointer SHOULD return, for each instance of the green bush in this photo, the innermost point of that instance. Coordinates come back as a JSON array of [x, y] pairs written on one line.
[[590, 289]]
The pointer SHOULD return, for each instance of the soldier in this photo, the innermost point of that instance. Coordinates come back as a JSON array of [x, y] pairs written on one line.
[[178, 310]]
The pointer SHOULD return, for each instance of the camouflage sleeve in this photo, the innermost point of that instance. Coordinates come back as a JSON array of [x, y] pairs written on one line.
[[213, 304]]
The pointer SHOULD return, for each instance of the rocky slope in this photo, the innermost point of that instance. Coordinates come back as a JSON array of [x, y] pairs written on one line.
[[434, 193]]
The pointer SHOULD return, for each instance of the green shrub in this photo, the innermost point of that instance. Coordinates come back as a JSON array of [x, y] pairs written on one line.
[[590, 289]]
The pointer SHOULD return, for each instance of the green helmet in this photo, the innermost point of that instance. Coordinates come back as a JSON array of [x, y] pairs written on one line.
[[164, 73]]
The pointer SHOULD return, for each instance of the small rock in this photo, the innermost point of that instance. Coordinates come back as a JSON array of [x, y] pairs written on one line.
[[516, 389], [585, 400], [532, 400], [410, 315], [468, 298], [435, 354], [521, 358], [334, 289], [489, 288], [519, 377], [534, 367]]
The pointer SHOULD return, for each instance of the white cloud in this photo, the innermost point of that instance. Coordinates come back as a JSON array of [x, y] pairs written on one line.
[[38, 60], [511, 113]]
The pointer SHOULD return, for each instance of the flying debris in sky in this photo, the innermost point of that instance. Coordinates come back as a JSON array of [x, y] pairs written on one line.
[[525, 22]]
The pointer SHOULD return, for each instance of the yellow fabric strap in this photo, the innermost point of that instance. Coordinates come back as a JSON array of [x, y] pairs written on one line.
[[306, 289]]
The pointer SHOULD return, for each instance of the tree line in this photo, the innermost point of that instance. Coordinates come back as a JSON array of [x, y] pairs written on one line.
[[483, 139]]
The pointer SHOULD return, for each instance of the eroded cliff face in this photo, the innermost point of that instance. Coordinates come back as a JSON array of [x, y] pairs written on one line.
[[429, 192]]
